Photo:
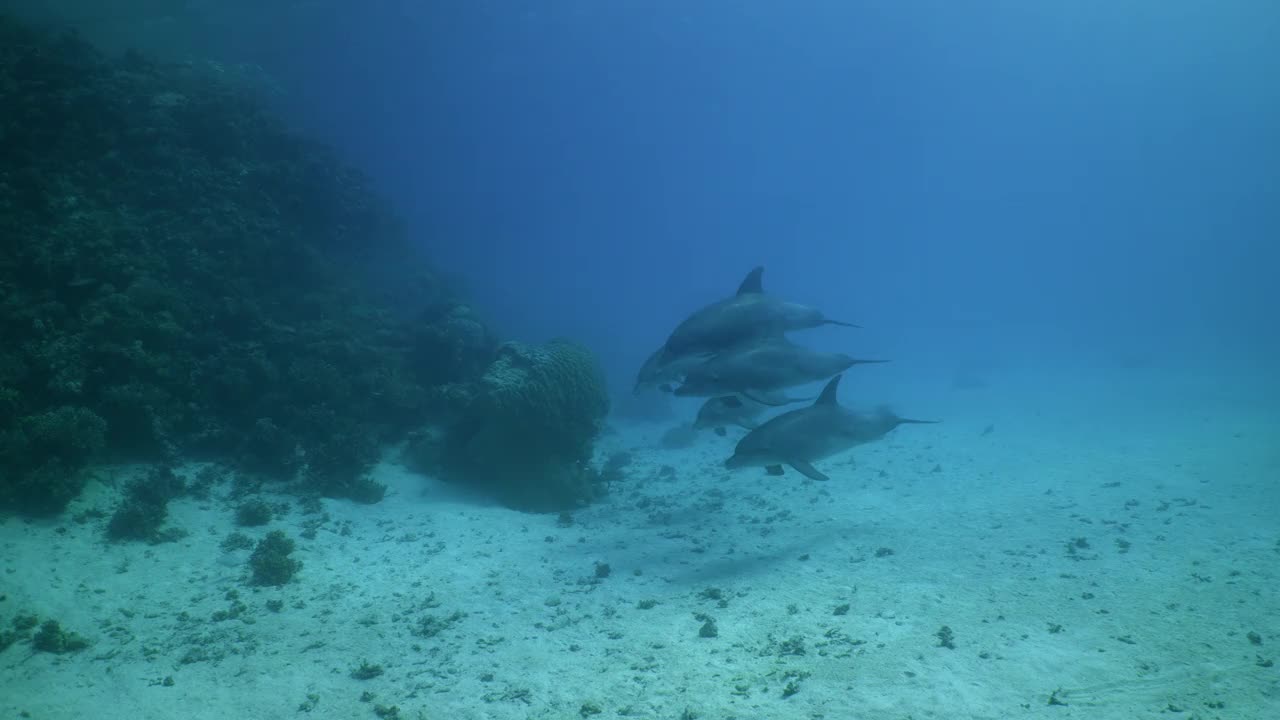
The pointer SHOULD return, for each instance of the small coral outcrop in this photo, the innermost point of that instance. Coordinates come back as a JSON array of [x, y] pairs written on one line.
[[44, 455], [270, 563], [145, 507], [527, 431], [52, 638]]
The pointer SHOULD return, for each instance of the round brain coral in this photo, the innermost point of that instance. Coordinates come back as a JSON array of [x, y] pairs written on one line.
[[557, 388]]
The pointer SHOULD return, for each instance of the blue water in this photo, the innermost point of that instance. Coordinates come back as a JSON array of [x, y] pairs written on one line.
[[1066, 183]]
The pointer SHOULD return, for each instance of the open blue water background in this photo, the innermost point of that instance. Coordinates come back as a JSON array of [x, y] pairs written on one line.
[[1050, 184]]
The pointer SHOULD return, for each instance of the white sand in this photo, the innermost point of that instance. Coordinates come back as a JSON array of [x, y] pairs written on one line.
[[1186, 470]]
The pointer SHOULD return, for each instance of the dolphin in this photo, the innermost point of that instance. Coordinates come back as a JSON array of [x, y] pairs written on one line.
[[800, 437], [748, 315], [770, 365], [662, 373], [718, 412]]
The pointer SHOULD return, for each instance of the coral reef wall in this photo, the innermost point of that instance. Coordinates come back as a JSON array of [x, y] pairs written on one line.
[[180, 275]]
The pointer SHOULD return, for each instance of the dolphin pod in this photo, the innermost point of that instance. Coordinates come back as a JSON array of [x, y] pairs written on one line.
[[735, 352], [745, 318]]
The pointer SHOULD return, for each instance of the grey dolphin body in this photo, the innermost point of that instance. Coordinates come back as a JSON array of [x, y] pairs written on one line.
[[719, 412], [660, 372], [773, 364], [801, 437], [748, 315]]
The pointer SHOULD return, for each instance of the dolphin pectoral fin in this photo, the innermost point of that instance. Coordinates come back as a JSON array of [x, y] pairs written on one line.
[[807, 470], [720, 431], [773, 469], [775, 398], [769, 400], [841, 323]]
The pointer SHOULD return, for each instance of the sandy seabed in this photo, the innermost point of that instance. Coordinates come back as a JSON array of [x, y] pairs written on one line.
[[1097, 547]]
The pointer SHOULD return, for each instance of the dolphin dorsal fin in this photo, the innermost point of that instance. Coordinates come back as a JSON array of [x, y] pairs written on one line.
[[752, 284], [828, 396]]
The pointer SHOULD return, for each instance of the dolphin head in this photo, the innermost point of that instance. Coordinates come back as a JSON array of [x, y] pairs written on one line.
[[687, 389], [715, 411], [664, 368], [651, 373], [754, 450], [753, 458], [703, 383]]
